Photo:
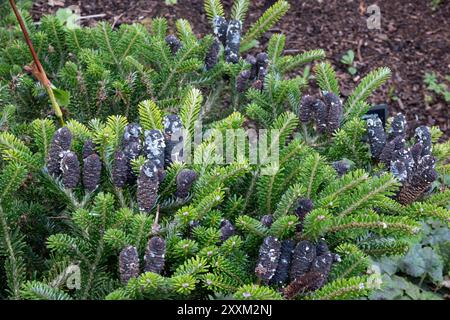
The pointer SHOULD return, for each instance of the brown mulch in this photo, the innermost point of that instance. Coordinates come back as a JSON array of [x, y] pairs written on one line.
[[413, 40]]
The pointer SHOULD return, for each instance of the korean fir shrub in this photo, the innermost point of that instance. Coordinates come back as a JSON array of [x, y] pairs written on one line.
[[124, 214]]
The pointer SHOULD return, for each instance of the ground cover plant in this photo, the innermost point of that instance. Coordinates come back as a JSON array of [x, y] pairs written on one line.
[[114, 203]]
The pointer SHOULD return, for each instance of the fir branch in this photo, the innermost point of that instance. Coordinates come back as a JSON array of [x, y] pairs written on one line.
[[213, 8], [14, 149], [429, 210], [268, 19], [343, 289], [43, 132], [131, 38], [35, 290], [268, 187], [185, 31], [150, 115], [367, 85], [255, 292], [441, 199], [290, 63], [353, 262], [190, 109], [374, 222], [347, 142], [251, 225], [239, 10], [379, 247], [326, 78], [371, 191], [285, 124], [159, 28], [257, 113], [11, 178], [312, 177], [341, 186], [284, 227], [181, 58], [275, 48], [289, 200], [14, 265], [105, 37]]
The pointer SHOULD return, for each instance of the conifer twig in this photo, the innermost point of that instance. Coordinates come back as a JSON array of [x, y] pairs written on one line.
[[36, 68]]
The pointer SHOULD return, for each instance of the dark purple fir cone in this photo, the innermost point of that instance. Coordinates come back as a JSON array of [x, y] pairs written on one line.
[[250, 59], [173, 134], [220, 25], [262, 63], [61, 142], [399, 170], [131, 141], [92, 168], [147, 186], [313, 279], [302, 258], [376, 134], [398, 127], [242, 81], [174, 43], [321, 115], [422, 178], [88, 148], [269, 254], [335, 110], [322, 263], [227, 230], [341, 167], [154, 256], [423, 136], [70, 170], [262, 60], [322, 247], [281, 275], [233, 42], [185, 180], [405, 156], [306, 110], [128, 264], [390, 150], [120, 170], [62, 138], [304, 206], [212, 56], [154, 147], [416, 152], [267, 220]]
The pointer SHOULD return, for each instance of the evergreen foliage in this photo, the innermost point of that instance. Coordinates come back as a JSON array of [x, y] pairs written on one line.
[[99, 209]]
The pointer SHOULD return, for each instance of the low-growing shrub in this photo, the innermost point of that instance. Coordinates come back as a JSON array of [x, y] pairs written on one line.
[[187, 171]]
